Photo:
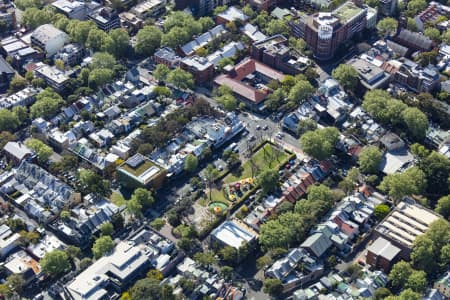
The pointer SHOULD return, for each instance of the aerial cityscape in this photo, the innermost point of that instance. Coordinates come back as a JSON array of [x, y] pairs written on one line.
[[224, 149]]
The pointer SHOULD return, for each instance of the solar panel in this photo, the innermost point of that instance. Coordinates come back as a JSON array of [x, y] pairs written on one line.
[[135, 160]]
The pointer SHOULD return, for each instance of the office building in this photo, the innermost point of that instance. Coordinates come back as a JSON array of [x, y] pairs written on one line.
[[105, 18], [49, 38], [324, 32], [72, 9], [381, 254]]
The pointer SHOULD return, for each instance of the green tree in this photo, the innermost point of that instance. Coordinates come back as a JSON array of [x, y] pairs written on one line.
[[146, 289], [79, 30], [33, 17], [206, 23], [24, 4], [191, 163], [155, 274], [5, 136], [134, 207], [102, 60], [102, 246], [446, 37], [437, 169], [167, 292], [21, 113], [176, 37], [180, 79], [274, 235], [433, 34], [412, 25], [416, 122], [417, 281], [96, 38], [268, 180], [263, 261], [117, 42], [387, 27], [400, 273], [228, 254], [73, 251], [301, 91], [406, 295], [55, 263], [381, 211], [273, 287], [210, 174], [85, 263], [382, 107], [144, 197], [320, 142], [227, 272], [277, 26], [99, 77], [306, 125], [42, 151], [228, 101], [219, 10], [158, 223], [161, 72], [443, 206], [107, 229], [148, 39], [347, 76], [94, 183], [415, 6], [8, 120], [15, 282], [17, 83], [205, 258], [381, 293], [398, 185], [370, 159]]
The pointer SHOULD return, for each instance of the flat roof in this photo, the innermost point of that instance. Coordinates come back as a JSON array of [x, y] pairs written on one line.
[[234, 234], [347, 11], [406, 222], [382, 247]]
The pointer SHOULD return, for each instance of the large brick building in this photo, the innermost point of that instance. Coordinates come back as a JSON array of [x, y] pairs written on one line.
[[324, 32]]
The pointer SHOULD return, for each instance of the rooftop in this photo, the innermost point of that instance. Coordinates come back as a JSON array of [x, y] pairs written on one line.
[[47, 32], [347, 11], [384, 248], [234, 233]]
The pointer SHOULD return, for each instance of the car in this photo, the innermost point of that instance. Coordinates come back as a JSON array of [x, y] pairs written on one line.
[[258, 127], [220, 168], [278, 136], [265, 127], [245, 133], [251, 138]]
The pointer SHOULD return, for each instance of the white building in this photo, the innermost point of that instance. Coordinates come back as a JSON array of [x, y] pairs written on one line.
[[234, 234], [49, 38], [8, 240], [54, 77], [122, 266], [24, 97], [72, 9]]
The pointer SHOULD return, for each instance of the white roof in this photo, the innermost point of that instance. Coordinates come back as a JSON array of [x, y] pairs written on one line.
[[233, 234], [19, 150], [123, 262]]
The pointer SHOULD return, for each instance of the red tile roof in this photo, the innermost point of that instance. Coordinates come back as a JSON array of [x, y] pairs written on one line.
[[245, 68]]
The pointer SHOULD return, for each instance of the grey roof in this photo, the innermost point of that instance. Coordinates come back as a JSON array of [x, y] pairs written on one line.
[[384, 248], [46, 32], [18, 150], [417, 39], [5, 67], [318, 243]]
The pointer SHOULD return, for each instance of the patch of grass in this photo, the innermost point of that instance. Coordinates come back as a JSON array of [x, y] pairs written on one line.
[[117, 199], [140, 169], [217, 195], [267, 157], [203, 202]]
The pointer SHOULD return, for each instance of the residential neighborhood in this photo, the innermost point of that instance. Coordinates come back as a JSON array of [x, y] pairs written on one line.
[[224, 150]]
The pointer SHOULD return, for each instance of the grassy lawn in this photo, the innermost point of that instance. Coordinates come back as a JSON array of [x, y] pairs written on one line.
[[117, 199], [265, 158], [217, 195]]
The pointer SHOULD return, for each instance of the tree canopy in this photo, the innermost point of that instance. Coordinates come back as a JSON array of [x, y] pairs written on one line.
[[41, 149], [347, 76], [398, 185], [55, 263], [387, 27], [320, 143], [268, 179], [370, 159], [102, 246], [148, 39], [180, 79]]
